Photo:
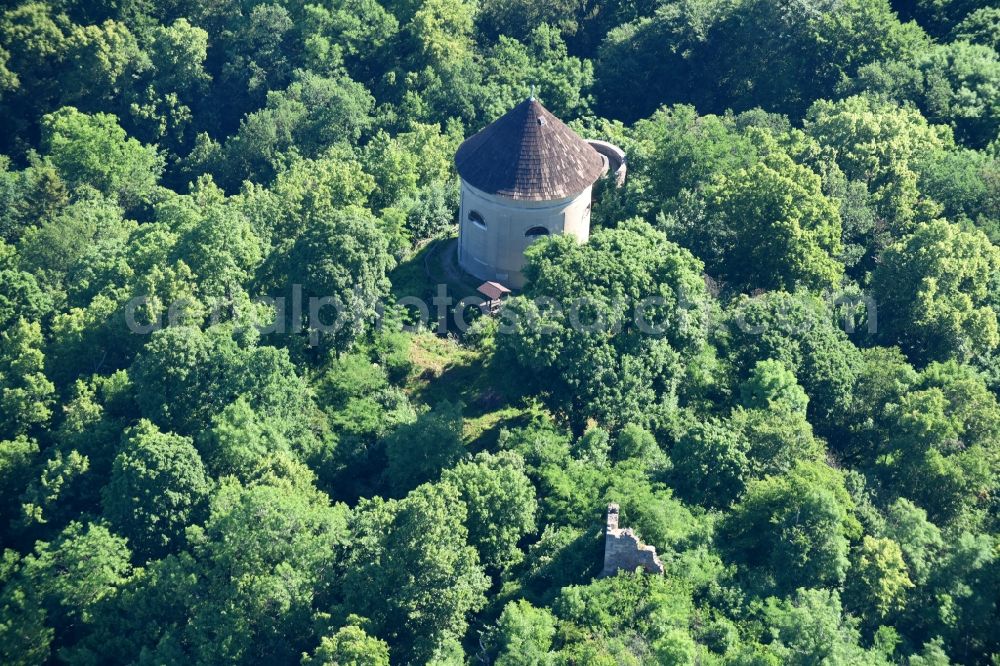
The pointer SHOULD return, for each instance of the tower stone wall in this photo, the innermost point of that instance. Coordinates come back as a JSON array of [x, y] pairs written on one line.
[[495, 231], [624, 551]]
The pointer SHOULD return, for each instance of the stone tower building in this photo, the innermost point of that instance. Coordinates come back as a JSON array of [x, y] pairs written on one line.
[[525, 176]]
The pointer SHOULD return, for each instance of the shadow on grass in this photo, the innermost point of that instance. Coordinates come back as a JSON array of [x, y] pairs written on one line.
[[410, 278]]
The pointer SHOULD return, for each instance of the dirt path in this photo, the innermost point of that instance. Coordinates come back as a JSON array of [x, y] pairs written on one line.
[[441, 265]]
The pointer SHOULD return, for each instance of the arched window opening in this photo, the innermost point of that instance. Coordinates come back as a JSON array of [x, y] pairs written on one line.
[[534, 232], [477, 219]]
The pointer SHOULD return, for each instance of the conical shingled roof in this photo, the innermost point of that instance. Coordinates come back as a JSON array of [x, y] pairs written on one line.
[[528, 154]]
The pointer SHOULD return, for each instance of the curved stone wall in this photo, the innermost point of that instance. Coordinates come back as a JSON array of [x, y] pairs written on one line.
[[615, 157]]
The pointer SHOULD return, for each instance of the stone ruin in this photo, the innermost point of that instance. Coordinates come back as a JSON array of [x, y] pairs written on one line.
[[624, 551]]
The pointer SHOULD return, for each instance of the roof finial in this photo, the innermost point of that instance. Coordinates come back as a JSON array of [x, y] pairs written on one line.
[[532, 92]]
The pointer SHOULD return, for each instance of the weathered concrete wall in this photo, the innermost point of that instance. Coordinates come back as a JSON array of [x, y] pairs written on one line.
[[624, 551], [496, 251]]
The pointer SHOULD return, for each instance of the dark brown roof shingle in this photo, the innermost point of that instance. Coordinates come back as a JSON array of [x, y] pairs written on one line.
[[528, 154]]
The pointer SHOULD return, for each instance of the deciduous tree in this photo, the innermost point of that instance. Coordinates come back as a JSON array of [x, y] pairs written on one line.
[[157, 488], [935, 292]]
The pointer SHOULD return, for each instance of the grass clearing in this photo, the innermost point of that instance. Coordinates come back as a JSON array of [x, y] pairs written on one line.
[[443, 369], [482, 432]]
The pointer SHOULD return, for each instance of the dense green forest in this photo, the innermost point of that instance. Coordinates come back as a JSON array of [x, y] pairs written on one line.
[[811, 439]]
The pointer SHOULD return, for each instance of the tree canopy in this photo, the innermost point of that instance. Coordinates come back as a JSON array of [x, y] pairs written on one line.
[[250, 412]]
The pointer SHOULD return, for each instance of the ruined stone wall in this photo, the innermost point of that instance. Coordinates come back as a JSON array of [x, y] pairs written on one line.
[[624, 551]]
